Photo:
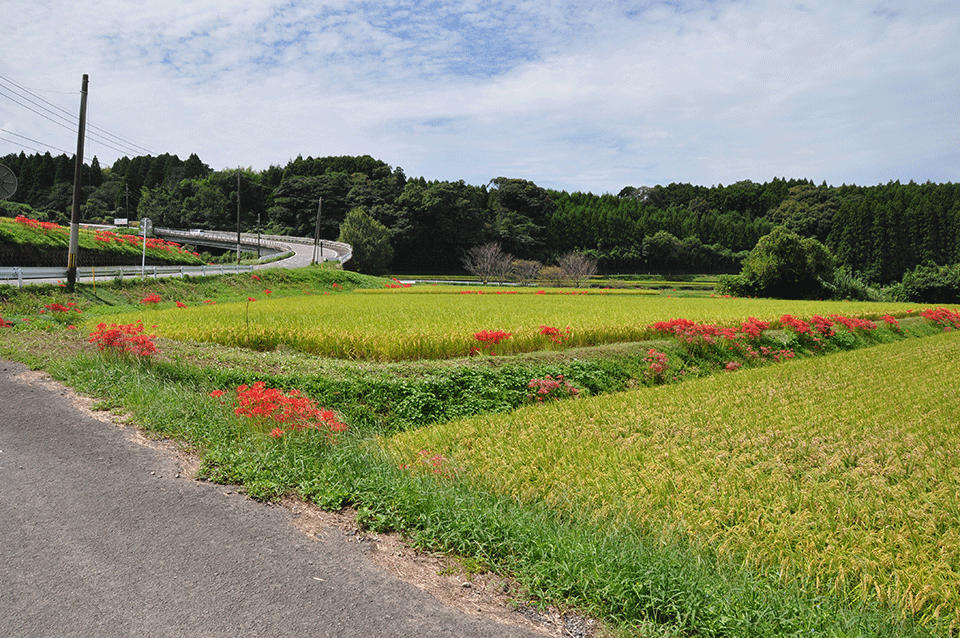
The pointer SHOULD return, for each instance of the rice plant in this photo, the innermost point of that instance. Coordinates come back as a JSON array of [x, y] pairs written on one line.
[[433, 323], [841, 473]]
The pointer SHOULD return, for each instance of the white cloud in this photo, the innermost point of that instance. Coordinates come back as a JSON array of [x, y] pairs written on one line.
[[572, 95]]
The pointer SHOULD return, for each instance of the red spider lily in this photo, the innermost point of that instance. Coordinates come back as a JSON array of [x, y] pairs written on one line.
[[152, 298], [658, 365], [489, 339], [852, 323], [693, 333], [799, 326], [39, 225], [949, 319], [753, 328], [555, 334], [124, 339], [550, 387], [55, 307], [180, 304], [290, 411]]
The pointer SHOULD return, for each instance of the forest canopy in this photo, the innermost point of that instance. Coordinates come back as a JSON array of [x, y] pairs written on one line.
[[879, 232]]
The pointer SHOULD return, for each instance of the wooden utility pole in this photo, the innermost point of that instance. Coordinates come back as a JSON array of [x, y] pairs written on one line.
[[77, 182], [316, 238], [238, 217]]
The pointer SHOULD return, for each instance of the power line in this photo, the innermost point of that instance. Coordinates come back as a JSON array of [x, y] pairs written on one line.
[[46, 117], [21, 145], [104, 138], [34, 141]]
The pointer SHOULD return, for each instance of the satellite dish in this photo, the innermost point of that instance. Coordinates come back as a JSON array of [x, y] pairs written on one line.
[[8, 182]]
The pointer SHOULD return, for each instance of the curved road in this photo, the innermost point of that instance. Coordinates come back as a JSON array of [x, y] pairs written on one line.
[[101, 536]]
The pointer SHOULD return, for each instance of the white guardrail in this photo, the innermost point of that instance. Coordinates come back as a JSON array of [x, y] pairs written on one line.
[[10, 274], [277, 243]]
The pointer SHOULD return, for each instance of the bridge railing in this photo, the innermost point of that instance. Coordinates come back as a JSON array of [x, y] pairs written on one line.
[[8, 275], [277, 242]]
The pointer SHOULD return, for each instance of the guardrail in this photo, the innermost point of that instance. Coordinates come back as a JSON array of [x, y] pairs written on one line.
[[8, 274], [278, 242]]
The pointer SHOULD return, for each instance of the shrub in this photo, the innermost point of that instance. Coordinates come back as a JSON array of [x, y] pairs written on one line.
[[785, 266], [930, 283], [372, 252]]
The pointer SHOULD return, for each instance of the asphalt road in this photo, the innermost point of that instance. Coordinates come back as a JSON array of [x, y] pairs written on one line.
[[100, 536]]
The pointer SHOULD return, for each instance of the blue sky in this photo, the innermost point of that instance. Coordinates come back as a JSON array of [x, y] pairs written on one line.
[[589, 96]]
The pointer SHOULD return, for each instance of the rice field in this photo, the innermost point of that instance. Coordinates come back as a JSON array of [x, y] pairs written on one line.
[[841, 472], [441, 322]]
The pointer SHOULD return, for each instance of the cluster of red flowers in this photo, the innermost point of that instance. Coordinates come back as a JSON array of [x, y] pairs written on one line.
[[5, 324], [658, 365], [799, 326], [550, 387], [60, 308], [765, 353], [152, 298], [693, 332], [153, 243], [489, 339], [852, 323], [555, 334], [892, 322], [126, 339], [824, 326], [743, 338], [397, 284], [483, 292], [289, 410], [33, 223], [949, 319]]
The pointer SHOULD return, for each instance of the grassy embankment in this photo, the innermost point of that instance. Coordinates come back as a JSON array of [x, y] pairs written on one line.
[[633, 503], [40, 237]]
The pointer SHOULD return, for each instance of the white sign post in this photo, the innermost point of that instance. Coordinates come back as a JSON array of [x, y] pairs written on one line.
[[145, 225]]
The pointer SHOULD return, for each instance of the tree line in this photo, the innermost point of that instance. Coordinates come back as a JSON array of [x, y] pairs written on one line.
[[878, 232]]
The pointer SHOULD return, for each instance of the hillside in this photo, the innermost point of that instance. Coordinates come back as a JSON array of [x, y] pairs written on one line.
[[879, 232]]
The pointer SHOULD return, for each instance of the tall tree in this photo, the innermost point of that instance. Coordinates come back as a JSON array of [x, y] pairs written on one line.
[[521, 210], [372, 252]]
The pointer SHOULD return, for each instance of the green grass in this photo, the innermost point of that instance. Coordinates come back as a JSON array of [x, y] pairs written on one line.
[[585, 538], [49, 235], [653, 584]]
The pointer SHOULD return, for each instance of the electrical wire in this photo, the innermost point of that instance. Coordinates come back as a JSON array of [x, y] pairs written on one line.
[[95, 133], [31, 140]]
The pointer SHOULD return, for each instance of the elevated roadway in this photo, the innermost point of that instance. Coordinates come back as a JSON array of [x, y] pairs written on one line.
[[295, 252]]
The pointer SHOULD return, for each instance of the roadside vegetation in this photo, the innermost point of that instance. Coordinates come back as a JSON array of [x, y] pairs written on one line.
[[676, 464], [40, 236]]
